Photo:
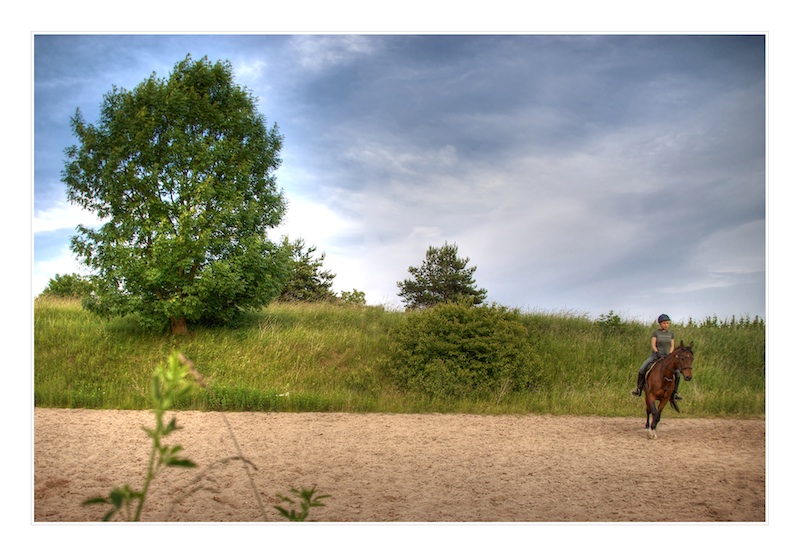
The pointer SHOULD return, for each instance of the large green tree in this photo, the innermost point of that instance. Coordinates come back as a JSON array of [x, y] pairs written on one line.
[[181, 172], [443, 276]]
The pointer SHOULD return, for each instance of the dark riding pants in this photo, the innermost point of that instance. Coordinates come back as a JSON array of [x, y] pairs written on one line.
[[646, 365]]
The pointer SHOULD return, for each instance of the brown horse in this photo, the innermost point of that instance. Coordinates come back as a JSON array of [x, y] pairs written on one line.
[[661, 382]]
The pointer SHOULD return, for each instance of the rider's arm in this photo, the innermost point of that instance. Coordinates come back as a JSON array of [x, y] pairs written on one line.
[[653, 343]]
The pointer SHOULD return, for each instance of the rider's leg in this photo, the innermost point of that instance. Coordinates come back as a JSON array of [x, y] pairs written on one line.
[[639, 385], [640, 378], [675, 395]]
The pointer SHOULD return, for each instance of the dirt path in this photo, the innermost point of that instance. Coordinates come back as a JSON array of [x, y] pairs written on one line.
[[408, 468]]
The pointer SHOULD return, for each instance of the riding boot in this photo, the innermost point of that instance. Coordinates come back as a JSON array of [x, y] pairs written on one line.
[[639, 385], [675, 395]]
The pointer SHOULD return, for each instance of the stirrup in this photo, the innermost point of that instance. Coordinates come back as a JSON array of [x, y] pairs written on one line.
[[637, 392], [676, 396]]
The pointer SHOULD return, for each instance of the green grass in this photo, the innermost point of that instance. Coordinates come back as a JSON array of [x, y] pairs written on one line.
[[326, 357]]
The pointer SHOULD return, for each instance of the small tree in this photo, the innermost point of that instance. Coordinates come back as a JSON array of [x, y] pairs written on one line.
[[181, 171], [354, 297], [443, 276], [307, 281]]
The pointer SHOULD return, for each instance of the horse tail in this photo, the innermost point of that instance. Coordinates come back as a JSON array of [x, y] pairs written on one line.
[[674, 405]]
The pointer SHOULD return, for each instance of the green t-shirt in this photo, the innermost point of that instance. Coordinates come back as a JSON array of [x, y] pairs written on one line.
[[663, 340]]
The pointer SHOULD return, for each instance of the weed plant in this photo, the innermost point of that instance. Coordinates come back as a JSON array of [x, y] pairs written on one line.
[[306, 498], [169, 384], [336, 357]]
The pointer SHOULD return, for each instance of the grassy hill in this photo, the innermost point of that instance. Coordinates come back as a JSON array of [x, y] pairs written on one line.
[[335, 357]]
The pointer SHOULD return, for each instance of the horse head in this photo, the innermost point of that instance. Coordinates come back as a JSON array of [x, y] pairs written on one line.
[[685, 358]]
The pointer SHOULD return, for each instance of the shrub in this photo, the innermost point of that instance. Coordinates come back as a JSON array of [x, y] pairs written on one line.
[[68, 285], [457, 350], [354, 297]]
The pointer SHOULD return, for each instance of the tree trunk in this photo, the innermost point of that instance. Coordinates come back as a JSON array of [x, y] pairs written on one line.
[[179, 327]]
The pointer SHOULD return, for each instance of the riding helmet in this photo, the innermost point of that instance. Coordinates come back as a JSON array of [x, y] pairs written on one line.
[[662, 318]]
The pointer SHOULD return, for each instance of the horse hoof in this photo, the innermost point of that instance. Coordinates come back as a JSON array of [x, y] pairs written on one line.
[[651, 434]]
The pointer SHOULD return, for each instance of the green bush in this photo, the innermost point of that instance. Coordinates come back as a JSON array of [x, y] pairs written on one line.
[[68, 285], [457, 350]]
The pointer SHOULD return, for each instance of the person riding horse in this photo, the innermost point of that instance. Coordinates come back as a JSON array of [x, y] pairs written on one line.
[[662, 343]]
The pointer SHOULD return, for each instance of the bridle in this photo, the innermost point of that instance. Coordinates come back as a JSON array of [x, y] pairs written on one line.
[[680, 357]]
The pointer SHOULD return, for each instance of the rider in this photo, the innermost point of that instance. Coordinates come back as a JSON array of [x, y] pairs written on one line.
[[662, 343]]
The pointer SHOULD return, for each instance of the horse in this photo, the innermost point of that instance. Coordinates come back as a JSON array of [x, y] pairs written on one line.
[[661, 381]]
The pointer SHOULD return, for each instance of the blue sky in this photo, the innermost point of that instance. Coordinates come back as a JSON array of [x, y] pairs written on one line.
[[581, 173]]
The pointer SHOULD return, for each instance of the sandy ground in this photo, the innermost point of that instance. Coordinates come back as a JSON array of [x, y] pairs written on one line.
[[408, 468]]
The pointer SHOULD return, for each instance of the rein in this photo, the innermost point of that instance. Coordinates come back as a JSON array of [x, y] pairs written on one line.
[[672, 368], [677, 367]]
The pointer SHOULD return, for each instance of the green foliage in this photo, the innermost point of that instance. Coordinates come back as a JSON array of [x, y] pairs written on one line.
[[354, 297], [68, 285], [181, 172], [307, 281], [338, 357], [457, 350], [610, 321], [733, 322], [442, 277], [307, 499], [169, 383]]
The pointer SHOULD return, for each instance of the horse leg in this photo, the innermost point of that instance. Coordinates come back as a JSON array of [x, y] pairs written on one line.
[[656, 418], [650, 406], [657, 412]]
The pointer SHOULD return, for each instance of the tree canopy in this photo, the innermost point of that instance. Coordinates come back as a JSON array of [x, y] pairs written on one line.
[[180, 171], [443, 276]]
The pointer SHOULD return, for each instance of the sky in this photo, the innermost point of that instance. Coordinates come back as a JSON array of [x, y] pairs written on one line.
[[578, 173]]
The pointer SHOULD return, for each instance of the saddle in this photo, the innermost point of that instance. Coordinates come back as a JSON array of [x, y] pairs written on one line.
[[653, 364]]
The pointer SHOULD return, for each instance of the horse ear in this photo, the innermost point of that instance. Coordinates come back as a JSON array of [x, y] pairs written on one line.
[[681, 344]]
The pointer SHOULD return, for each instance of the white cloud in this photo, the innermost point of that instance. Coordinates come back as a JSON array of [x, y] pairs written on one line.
[[738, 250], [316, 52], [250, 69], [315, 222], [63, 216], [44, 270], [402, 159]]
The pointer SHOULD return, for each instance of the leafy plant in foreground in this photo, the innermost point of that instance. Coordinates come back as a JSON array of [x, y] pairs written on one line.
[[307, 498], [168, 384]]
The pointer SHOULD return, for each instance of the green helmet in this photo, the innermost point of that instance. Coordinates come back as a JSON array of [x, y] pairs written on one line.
[[662, 318]]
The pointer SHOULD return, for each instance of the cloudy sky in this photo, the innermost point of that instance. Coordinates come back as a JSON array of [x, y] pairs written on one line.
[[581, 173]]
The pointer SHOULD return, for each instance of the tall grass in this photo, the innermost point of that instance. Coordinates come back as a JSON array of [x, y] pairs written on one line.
[[327, 357]]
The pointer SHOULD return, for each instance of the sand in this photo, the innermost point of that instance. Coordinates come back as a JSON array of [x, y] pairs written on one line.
[[407, 468]]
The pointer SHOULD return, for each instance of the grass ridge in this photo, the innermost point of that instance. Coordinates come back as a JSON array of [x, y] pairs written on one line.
[[334, 357]]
